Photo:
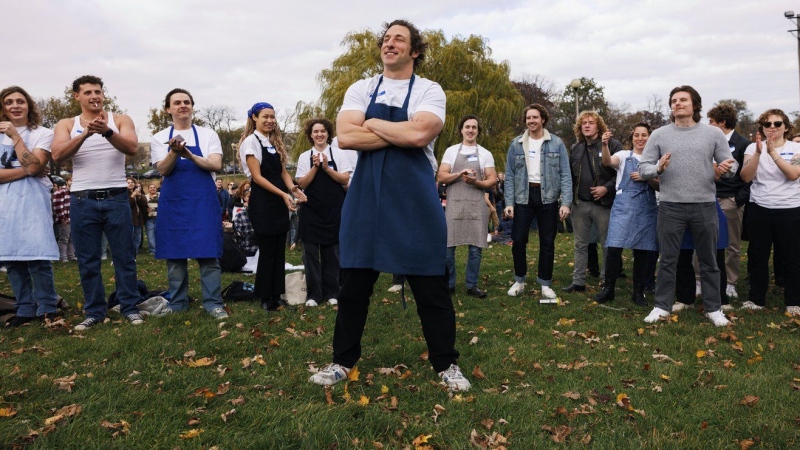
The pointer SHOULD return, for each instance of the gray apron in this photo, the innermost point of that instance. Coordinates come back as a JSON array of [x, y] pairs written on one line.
[[466, 213]]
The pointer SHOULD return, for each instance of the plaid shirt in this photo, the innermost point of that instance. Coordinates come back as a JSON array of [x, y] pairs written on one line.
[[61, 205], [243, 232]]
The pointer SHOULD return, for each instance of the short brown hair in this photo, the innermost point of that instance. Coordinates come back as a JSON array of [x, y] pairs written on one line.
[[417, 44], [464, 120], [542, 111], [86, 79], [724, 113], [309, 126], [775, 112]]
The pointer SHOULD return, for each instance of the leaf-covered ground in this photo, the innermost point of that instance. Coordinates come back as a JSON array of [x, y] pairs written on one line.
[[576, 375]]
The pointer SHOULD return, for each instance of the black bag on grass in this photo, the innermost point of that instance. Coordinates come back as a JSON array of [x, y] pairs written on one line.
[[233, 257], [238, 291]]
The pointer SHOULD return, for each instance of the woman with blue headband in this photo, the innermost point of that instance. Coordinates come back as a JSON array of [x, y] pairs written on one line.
[[263, 157]]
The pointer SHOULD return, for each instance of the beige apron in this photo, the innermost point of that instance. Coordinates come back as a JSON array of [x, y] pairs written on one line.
[[466, 213]]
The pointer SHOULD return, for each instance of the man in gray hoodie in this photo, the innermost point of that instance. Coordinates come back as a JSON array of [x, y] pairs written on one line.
[[687, 156]]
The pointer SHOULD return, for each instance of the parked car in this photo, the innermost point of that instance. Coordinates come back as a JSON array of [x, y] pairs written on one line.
[[151, 174], [132, 174]]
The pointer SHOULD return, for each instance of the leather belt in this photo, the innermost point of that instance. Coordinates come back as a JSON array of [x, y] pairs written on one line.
[[99, 194], [535, 184]]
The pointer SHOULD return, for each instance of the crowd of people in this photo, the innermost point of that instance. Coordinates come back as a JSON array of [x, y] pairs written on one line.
[[365, 200]]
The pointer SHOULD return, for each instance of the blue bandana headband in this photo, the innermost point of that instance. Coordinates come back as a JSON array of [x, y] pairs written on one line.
[[257, 108]]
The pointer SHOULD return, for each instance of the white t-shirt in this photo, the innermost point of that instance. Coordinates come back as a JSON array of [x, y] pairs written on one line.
[[485, 158], [252, 146], [209, 143], [623, 155], [39, 137], [533, 159], [343, 161], [426, 95], [771, 188]]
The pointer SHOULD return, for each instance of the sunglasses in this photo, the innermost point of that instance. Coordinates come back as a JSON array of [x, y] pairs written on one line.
[[777, 124]]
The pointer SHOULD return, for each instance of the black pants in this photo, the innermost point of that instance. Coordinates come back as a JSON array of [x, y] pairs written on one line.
[[270, 279], [322, 271], [685, 285], [434, 307], [547, 218], [641, 262], [778, 227]]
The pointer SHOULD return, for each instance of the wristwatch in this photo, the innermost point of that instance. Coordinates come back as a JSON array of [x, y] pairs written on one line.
[[108, 133]]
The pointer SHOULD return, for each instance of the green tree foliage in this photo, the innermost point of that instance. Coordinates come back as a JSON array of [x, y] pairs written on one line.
[[535, 89], [591, 96], [473, 81]]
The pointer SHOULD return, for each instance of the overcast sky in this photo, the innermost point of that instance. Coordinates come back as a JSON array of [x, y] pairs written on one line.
[[237, 52]]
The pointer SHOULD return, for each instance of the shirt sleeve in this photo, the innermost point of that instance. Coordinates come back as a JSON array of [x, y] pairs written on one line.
[[751, 149], [44, 140], [158, 149], [214, 144], [449, 156], [433, 101], [302, 165], [248, 147], [648, 165], [488, 158], [355, 98]]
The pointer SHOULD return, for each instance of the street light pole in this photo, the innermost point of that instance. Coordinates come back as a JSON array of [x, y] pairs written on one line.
[[795, 19], [575, 84]]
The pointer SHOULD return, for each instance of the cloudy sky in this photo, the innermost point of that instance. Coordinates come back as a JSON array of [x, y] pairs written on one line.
[[237, 52]]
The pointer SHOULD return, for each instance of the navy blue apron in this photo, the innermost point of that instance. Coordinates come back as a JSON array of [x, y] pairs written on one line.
[[188, 223], [320, 216], [268, 212], [392, 220], [634, 213]]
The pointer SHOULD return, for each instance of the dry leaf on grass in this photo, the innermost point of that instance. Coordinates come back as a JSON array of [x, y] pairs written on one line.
[[66, 383], [353, 375], [8, 412], [224, 416], [478, 373], [421, 439], [749, 400], [572, 395], [193, 433], [558, 433]]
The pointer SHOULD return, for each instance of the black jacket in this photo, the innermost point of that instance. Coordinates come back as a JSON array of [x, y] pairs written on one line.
[[603, 176], [734, 186]]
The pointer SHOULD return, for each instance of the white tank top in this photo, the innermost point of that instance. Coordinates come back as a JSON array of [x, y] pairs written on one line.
[[97, 164]]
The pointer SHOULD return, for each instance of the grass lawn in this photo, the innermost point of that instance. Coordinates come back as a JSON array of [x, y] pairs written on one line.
[[543, 376]]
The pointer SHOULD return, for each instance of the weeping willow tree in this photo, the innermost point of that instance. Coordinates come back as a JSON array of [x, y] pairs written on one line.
[[473, 81]]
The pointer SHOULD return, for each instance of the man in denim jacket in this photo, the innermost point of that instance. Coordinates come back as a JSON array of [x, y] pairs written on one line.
[[537, 175]]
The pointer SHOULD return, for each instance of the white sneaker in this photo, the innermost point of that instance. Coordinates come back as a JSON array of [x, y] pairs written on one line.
[[678, 306], [455, 379], [793, 310], [698, 291], [395, 288], [311, 302], [333, 301], [549, 293], [656, 314], [750, 305], [516, 289], [330, 374], [718, 318], [726, 308], [730, 291]]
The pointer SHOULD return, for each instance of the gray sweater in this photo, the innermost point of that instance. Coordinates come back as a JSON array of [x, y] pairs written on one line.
[[689, 178]]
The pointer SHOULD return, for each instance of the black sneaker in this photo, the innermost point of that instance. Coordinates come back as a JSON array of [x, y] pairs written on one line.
[[86, 324], [19, 321], [476, 292], [135, 319]]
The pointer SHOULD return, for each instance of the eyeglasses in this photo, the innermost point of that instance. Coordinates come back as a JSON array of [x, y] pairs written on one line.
[[777, 124]]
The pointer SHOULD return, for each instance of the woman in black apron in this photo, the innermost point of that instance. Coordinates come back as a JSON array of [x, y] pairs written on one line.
[[262, 151], [321, 214]]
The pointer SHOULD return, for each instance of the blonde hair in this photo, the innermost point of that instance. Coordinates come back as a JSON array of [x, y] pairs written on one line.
[[601, 124], [274, 137]]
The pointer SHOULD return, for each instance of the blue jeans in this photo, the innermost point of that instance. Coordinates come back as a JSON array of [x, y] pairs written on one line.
[[150, 227], [37, 297], [90, 219], [137, 238], [210, 284], [473, 266]]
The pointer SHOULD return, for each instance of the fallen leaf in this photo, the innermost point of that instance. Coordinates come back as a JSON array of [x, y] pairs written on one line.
[[572, 395], [474, 340], [746, 443], [193, 422], [329, 396], [749, 400], [224, 416], [558, 433], [700, 353], [353, 375], [202, 362], [363, 401], [8, 412], [193, 433], [421, 439], [190, 354], [488, 423], [564, 322], [377, 445], [478, 373]]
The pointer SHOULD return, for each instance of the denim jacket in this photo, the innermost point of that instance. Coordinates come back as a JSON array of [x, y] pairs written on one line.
[[556, 174]]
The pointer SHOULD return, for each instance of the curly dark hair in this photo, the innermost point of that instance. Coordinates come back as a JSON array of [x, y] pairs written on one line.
[[697, 102], [787, 134], [86, 79], [34, 117], [464, 120], [724, 113], [417, 44], [309, 125]]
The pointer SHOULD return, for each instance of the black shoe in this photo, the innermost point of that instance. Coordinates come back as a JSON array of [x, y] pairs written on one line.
[[19, 321], [622, 275], [638, 298], [52, 317], [475, 292], [594, 273], [605, 296], [270, 306], [452, 290], [574, 288]]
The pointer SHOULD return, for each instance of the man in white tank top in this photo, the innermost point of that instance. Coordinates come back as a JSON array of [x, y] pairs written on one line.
[[97, 142]]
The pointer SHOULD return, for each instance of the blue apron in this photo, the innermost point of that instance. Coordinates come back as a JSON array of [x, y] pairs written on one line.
[[26, 221], [634, 213], [188, 224], [392, 220]]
